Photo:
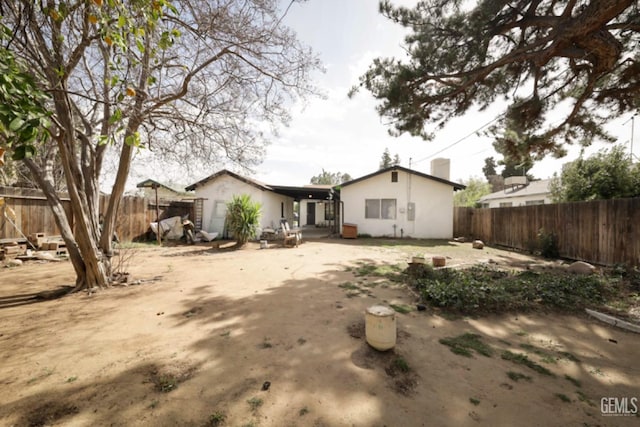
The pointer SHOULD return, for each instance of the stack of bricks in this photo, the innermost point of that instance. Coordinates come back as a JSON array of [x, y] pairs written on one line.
[[38, 239], [12, 250], [58, 246], [48, 243]]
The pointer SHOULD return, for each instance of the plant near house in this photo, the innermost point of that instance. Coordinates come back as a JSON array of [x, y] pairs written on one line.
[[243, 217]]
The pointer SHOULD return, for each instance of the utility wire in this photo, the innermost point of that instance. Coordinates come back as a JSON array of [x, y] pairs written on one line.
[[460, 140]]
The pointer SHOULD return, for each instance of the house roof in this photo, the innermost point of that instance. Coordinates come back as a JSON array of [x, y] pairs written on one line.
[[246, 180], [455, 186], [298, 193], [306, 192], [150, 183], [533, 188]]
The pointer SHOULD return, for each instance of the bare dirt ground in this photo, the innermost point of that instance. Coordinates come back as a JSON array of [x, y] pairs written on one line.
[[269, 338]]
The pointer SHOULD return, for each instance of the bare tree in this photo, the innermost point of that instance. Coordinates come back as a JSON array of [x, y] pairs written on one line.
[[184, 77]]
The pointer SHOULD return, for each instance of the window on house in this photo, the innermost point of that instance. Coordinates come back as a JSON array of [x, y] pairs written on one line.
[[411, 211], [534, 202], [394, 176], [484, 204], [380, 208], [372, 208], [281, 209], [506, 204], [329, 214], [388, 208]]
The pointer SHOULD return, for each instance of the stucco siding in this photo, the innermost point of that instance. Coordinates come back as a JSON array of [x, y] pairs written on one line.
[[433, 206], [221, 190]]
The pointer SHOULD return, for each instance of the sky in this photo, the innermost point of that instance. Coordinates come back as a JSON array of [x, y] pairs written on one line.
[[345, 135], [339, 134]]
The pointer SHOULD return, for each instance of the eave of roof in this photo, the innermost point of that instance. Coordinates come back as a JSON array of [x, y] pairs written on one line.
[[151, 183], [455, 185], [246, 180]]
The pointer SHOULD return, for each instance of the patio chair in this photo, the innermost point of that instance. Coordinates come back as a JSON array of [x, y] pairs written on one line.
[[290, 235]]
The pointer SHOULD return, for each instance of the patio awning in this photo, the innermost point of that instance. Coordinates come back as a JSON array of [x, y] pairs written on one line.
[[306, 193]]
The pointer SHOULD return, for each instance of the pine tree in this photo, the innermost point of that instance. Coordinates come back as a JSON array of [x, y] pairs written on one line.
[[535, 54]]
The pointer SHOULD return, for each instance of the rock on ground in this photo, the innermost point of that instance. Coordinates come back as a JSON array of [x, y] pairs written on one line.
[[581, 267]]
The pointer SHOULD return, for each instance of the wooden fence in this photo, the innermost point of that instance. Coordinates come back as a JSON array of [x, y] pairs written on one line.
[[33, 214], [605, 232]]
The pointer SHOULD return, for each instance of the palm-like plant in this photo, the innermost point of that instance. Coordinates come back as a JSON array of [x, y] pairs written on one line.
[[243, 217]]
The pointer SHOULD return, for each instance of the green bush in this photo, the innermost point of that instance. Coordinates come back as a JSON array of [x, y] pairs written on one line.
[[243, 216], [548, 244], [482, 289]]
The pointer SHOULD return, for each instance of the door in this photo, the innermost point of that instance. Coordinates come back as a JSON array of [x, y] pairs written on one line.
[[311, 213], [218, 216]]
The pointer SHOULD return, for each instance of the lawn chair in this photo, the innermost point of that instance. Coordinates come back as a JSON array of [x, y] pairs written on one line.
[[290, 235]]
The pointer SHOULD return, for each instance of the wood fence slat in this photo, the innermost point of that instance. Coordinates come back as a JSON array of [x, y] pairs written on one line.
[[33, 214], [601, 232]]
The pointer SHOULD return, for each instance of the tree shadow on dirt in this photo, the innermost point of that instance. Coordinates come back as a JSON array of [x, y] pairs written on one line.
[[34, 298], [295, 336]]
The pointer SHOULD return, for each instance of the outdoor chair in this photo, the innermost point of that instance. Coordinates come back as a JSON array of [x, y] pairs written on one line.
[[290, 235]]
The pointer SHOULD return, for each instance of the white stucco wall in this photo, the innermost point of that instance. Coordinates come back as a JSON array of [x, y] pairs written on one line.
[[221, 191], [433, 206]]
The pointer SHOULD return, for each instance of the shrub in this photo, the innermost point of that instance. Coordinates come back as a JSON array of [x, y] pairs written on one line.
[[482, 289], [243, 217], [548, 244]]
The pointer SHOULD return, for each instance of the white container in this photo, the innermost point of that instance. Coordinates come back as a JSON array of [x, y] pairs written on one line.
[[264, 244], [380, 327]]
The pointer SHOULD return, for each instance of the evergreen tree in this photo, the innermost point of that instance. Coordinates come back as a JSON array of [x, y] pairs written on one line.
[[329, 178], [385, 162], [489, 168], [535, 54]]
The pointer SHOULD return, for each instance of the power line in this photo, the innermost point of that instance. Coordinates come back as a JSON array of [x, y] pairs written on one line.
[[460, 140]]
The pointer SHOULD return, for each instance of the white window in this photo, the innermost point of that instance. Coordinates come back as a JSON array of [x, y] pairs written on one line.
[[372, 208], [388, 208], [380, 208], [534, 202], [506, 204]]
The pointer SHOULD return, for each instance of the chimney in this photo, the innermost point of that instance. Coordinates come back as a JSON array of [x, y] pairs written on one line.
[[440, 168]]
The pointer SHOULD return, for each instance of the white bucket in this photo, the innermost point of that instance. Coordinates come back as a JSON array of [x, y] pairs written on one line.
[[380, 327], [264, 244]]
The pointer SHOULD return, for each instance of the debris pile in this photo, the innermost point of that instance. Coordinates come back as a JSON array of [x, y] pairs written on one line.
[[36, 246]]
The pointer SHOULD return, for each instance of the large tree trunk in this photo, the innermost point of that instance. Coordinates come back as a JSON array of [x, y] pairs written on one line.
[[89, 264]]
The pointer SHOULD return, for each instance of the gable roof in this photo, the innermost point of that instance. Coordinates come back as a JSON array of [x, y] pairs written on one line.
[[151, 183], [533, 188], [298, 193], [455, 186], [255, 183]]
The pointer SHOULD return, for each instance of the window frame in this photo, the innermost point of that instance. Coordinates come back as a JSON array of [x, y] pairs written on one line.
[[373, 209]]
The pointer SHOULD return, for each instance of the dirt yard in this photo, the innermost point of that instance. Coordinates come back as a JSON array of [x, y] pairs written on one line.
[[275, 337]]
